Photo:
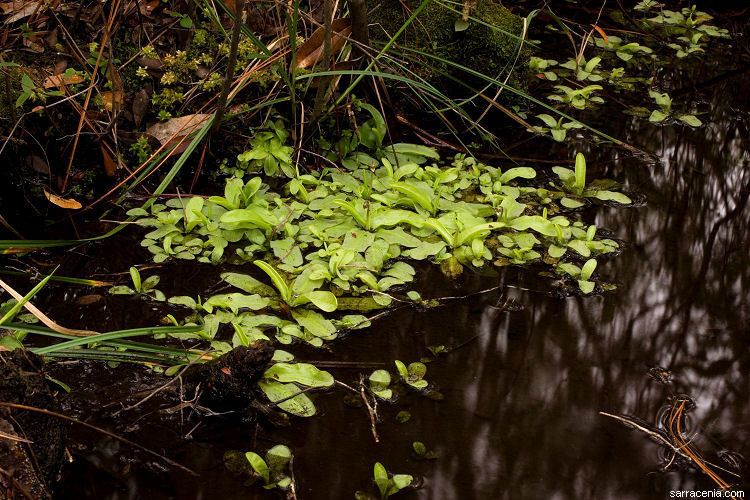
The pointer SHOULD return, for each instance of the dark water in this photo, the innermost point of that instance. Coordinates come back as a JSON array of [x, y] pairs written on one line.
[[522, 395]]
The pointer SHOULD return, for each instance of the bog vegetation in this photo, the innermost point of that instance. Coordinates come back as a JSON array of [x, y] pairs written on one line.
[[278, 142]]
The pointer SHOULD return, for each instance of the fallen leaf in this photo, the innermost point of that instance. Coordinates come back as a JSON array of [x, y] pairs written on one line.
[[62, 202], [32, 45], [112, 100], [140, 106], [86, 300], [311, 52], [110, 167], [602, 33], [37, 164], [174, 130], [19, 9], [60, 81]]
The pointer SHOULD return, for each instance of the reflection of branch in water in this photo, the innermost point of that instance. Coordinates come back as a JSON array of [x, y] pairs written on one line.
[[675, 417], [678, 444]]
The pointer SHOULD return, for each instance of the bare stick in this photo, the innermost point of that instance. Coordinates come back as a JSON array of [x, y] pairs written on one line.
[[372, 411], [320, 95], [239, 10]]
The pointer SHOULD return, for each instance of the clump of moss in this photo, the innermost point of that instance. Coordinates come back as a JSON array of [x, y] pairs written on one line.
[[484, 47]]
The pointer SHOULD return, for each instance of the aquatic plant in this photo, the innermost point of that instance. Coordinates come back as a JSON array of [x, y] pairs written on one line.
[[379, 382], [556, 127], [413, 374], [146, 287], [387, 484], [585, 69], [624, 51], [664, 102], [272, 470], [577, 98]]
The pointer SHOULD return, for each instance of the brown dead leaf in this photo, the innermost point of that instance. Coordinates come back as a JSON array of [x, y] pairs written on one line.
[[140, 106], [113, 99], [19, 9], [175, 129], [33, 44], [86, 300], [110, 167], [62, 202], [602, 33], [148, 8], [60, 81], [311, 52]]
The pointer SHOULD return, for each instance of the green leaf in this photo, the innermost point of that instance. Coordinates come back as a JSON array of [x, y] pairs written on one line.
[[588, 269], [586, 286], [381, 479], [571, 203], [401, 367], [580, 173], [323, 300], [248, 284], [299, 405], [192, 212], [415, 194], [401, 481], [534, 222], [691, 120], [419, 448], [580, 247], [556, 252], [548, 120], [302, 373], [278, 281], [314, 322], [278, 458], [512, 173], [259, 465], [149, 283], [135, 276], [379, 382], [236, 301], [657, 116], [611, 196], [414, 149], [460, 25], [248, 218]]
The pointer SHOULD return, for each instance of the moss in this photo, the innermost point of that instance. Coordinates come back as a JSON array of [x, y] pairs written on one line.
[[479, 47]]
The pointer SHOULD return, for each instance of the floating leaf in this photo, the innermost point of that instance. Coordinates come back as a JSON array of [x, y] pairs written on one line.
[[299, 405], [691, 120], [302, 373], [657, 116], [259, 465], [379, 382]]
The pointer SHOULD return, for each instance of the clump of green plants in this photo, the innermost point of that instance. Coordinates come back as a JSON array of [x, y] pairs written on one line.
[[271, 470], [664, 102], [687, 31], [146, 288], [624, 51], [579, 98], [387, 484], [558, 128]]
